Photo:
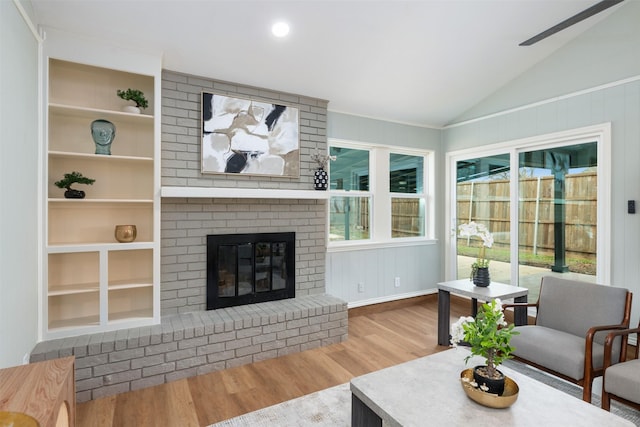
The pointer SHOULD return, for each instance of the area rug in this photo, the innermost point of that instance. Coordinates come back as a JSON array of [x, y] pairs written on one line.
[[616, 408], [332, 407], [325, 408]]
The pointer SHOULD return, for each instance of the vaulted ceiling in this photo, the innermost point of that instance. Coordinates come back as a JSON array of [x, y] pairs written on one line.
[[418, 62]]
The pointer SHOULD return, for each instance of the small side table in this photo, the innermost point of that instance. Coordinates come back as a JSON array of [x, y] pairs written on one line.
[[466, 288]]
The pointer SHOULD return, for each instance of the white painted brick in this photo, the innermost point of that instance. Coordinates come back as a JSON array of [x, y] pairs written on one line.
[[111, 368], [147, 382], [191, 362], [88, 384], [122, 377], [160, 348], [110, 390]]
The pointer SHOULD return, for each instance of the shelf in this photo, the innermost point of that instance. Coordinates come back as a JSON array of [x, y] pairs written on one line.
[[87, 112], [100, 201], [123, 285], [88, 222], [242, 193], [75, 322], [130, 303], [73, 289], [127, 316], [111, 158], [93, 247], [74, 309]]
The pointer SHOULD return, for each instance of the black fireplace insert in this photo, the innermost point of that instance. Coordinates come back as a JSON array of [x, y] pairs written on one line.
[[250, 268]]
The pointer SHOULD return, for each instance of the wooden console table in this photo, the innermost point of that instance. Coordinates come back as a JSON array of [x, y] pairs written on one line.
[[466, 288], [45, 391]]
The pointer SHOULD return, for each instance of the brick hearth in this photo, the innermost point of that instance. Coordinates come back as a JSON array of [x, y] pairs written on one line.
[[195, 343]]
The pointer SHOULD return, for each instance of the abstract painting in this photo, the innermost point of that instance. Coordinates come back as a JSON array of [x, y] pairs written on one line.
[[243, 136]]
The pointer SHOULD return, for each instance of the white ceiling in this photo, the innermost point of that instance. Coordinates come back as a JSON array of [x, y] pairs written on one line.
[[419, 62]]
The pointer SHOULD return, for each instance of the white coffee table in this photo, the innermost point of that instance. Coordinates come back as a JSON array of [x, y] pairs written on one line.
[[427, 391], [466, 288]]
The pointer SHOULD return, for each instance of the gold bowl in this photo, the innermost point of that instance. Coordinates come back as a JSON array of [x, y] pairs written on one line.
[[17, 419], [507, 399], [126, 233]]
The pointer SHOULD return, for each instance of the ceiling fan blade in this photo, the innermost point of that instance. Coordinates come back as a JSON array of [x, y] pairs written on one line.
[[596, 8]]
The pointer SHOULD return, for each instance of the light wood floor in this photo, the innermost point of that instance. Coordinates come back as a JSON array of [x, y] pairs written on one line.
[[379, 336]]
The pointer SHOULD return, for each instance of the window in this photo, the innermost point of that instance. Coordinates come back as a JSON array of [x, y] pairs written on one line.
[[406, 176], [349, 217], [545, 200], [377, 193]]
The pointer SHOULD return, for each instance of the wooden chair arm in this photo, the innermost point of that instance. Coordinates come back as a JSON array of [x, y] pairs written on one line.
[[608, 344], [588, 355], [592, 330], [519, 304], [515, 305]]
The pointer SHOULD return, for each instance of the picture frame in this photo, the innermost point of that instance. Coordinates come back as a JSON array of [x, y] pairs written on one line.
[[246, 136]]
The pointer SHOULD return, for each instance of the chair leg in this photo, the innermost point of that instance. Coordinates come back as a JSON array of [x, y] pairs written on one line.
[[586, 389], [606, 400]]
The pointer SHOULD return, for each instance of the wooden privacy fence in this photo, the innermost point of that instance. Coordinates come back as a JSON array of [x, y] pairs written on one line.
[[487, 202]]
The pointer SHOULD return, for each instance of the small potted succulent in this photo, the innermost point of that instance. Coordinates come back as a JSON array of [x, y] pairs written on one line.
[[136, 96], [70, 179]]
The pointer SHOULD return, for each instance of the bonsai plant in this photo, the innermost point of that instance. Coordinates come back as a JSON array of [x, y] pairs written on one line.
[[73, 178], [488, 336], [134, 95]]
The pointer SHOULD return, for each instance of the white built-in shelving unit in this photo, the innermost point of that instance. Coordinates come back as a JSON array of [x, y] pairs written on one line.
[[91, 282]]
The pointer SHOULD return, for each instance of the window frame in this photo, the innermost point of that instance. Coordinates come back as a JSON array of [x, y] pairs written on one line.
[[380, 196], [599, 133]]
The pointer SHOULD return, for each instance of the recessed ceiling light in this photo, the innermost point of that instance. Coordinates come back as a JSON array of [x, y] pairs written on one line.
[[280, 29]]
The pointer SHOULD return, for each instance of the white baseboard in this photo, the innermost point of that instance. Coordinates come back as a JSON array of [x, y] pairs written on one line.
[[389, 298]]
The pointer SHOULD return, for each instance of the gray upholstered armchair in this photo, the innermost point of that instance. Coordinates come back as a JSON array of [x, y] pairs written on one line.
[[621, 381], [571, 324]]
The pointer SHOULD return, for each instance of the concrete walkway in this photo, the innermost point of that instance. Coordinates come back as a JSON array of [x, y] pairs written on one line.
[[530, 277]]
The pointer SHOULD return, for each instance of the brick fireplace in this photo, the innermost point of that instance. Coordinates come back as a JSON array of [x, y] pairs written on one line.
[[187, 221]]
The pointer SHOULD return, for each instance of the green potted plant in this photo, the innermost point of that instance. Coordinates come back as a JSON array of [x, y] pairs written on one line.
[[70, 179], [136, 96], [488, 336]]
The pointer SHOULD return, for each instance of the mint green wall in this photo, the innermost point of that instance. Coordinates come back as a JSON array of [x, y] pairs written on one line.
[[418, 267], [18, 186], [604, 65], [374, 131]]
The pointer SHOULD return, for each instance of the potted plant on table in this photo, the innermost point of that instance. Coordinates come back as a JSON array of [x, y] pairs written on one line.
[[480, 268], [488, 336], [73, 178], [136, 96]]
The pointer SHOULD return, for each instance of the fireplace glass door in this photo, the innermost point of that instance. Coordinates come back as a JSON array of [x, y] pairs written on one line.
[[258, 268]]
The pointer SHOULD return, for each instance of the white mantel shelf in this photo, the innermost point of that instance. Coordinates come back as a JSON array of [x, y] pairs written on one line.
[[241, 193]]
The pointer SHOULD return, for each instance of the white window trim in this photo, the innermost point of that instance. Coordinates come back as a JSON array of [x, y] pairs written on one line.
[[380, 209], [600, 133]]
